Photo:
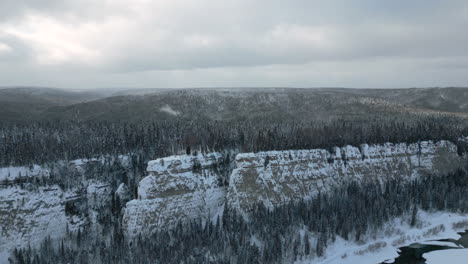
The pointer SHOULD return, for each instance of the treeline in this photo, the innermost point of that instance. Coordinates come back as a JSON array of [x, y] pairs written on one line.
[[298, 230], [38, 143]]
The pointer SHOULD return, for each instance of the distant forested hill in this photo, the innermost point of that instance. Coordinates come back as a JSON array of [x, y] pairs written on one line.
[[258, 105]]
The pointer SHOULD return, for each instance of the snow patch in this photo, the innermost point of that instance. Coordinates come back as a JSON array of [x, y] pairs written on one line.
[[452, 256], [394, 234], [13, 173]]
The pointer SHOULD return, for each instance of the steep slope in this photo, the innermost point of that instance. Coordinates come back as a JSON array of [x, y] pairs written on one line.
[[178, 190], [278, 177], [29, 216], [31, 210]]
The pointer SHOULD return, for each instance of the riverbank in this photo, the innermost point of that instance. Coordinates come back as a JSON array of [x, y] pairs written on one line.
[[381, 246]]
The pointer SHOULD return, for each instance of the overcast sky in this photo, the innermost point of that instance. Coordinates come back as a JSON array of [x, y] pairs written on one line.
[[213, 43]]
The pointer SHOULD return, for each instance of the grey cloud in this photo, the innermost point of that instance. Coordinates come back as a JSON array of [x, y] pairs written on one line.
[[18, 53], [147, 43], [12, 9]]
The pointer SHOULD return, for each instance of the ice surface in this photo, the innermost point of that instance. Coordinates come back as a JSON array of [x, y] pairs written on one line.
[[449, 256]]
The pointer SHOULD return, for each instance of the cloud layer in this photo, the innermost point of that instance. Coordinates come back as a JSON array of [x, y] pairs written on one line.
[[181, 43]]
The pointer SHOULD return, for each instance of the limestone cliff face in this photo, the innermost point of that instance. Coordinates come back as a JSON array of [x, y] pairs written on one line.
[[178, 188], [280, 176], [32, 211], [28, 216], [186, 187]]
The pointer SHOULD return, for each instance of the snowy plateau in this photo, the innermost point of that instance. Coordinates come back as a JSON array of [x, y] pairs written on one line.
[[175, 191]]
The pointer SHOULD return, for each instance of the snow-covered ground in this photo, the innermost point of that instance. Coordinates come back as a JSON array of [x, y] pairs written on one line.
[[11, 173], [383, 246], [449, 256]]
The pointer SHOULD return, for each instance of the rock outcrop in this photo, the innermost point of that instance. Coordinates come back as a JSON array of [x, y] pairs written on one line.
[[178, 188], [27, 216], [31, 210], [185, 187], [277, 177]]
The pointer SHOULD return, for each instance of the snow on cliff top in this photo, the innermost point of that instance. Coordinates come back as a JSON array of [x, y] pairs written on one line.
[[373, 150], [12, 173], [182, 161], [175, 173]]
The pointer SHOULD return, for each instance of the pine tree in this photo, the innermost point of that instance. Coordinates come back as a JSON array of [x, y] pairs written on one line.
[[414, 216], [306, 245]]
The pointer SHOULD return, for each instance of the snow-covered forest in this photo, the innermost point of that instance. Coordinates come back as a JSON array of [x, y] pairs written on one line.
[[233, 132], [281, 190], [38, 143]]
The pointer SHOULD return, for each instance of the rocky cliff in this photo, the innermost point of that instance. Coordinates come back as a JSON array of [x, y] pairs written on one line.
[[28, 216], [186, 187], [281, 176], [178, 188], [189, 187], [31, 209]]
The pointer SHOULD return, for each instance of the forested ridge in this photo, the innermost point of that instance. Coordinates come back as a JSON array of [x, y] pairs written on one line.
[[41, 142], [166, 122]]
